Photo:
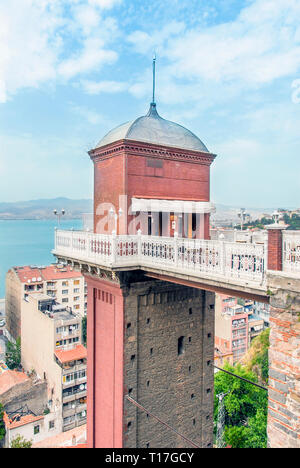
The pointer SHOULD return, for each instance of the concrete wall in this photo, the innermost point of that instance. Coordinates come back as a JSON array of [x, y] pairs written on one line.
[[13, 295], [34, 394]]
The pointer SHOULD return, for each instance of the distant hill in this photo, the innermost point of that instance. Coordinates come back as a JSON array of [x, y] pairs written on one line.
[[229, 214], [43, 208]]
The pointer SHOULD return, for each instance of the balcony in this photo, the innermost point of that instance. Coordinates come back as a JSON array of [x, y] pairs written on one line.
[[74, 367], [71, 411], [74, 393], [215, 259], [73, 382]]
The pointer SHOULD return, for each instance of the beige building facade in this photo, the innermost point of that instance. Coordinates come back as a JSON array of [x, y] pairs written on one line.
[[60, 282], [52, 348]]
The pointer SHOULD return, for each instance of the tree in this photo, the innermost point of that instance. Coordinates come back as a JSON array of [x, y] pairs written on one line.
[[2, 425], [20, 442], [13, 354], [245, 406]]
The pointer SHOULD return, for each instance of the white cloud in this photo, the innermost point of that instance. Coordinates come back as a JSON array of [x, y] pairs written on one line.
[[296, 92], [45, 41], [144, 42], [92, 57], [260, 46], [97, 87], [91, 116], [105, 4]]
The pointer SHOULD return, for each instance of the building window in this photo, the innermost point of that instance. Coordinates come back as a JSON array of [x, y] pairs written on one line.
[[51, 424], [65, 291], [76, 282], [180, 345], [65, 283], [36, 429], [76, 290], [65, 299]]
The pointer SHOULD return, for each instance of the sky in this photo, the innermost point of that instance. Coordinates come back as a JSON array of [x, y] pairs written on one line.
[[229, 70]]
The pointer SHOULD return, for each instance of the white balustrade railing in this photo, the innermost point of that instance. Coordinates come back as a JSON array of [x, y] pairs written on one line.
[[212, 258], [291, 251]]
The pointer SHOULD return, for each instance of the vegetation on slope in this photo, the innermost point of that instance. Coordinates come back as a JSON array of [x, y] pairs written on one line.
[[246, 405]]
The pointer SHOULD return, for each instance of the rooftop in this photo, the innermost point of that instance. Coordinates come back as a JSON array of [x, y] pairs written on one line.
[[35, 274], [75, 354], [50, 307], [152, 128], [18, 420], [10, 378]]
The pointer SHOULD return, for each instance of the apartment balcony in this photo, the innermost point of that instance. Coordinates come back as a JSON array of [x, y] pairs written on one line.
[[68, 412], [74, 382], [80, 422], [69, 426], [73, 411], [81, 394], [74, 368], [67, 336], [68, 397]]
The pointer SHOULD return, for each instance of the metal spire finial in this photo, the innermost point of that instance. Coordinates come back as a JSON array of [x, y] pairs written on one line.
[[153, 96]]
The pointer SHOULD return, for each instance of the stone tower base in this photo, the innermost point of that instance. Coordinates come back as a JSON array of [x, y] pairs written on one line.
[[153, 341]]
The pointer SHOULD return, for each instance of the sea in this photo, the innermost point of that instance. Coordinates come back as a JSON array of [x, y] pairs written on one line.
[[28, 242]]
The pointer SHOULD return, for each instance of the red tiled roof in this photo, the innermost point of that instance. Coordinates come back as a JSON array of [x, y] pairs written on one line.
[[10, 378], [49, 273], [79, 352], [21, 421]]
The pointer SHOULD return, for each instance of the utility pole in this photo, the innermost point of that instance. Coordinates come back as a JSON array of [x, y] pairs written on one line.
[[58, 215]]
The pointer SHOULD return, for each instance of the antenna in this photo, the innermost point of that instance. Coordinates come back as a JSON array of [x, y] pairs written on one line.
[[154, 62]]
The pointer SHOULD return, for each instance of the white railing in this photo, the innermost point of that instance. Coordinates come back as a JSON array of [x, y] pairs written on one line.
[[194, 257], [291, 251]]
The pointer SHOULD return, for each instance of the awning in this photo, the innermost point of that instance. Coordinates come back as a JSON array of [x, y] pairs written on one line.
[[171, 206]]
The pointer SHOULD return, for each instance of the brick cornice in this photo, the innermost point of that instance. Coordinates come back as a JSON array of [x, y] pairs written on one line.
[[131, 147]]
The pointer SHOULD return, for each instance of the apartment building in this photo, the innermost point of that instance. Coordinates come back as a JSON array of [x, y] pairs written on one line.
[[256, 326], [62, 283], [262, 311], [52, 348], [231, 326]]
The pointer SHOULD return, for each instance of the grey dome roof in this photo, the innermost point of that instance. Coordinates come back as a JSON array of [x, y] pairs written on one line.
[[152, 128]]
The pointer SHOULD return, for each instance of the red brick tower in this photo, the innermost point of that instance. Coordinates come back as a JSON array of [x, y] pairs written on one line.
[[150, 175]]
